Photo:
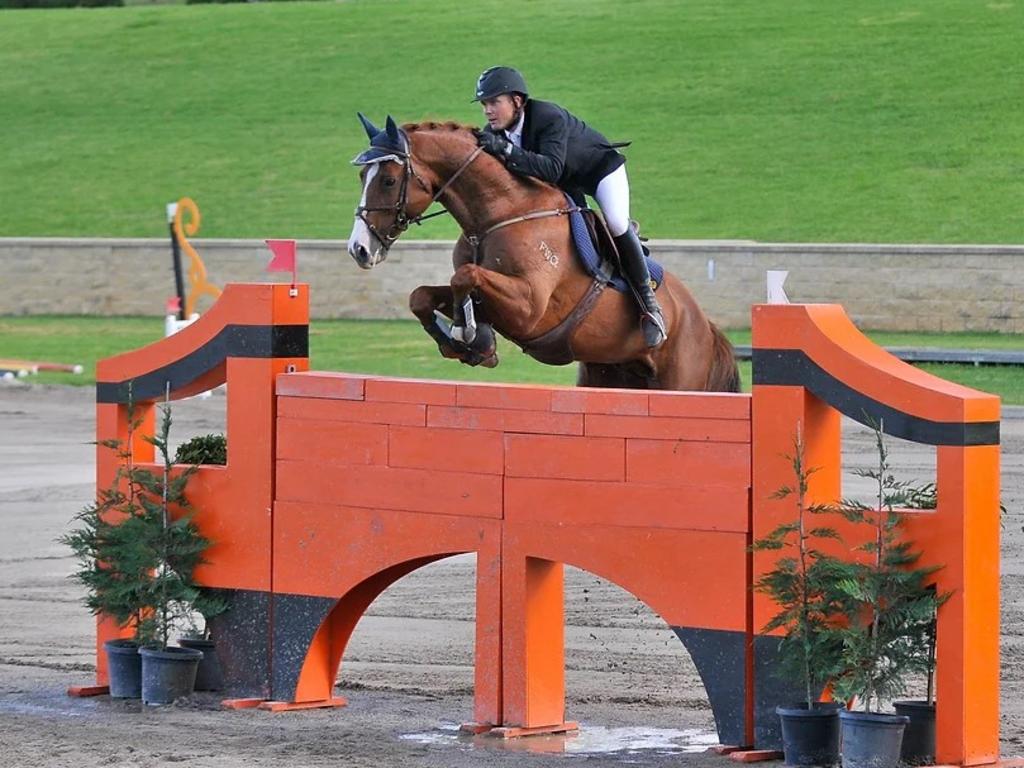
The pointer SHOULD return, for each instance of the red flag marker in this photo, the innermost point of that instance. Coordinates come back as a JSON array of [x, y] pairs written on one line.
[[284, 257], [173, 305]]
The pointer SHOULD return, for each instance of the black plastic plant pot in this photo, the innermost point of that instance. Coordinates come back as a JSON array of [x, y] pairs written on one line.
[[810, 736], [168, 674], [124, 668], [871, 740], [208, 676], [919, 737]]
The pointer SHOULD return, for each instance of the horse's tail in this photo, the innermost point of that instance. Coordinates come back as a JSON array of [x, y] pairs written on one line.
[[724, 374]]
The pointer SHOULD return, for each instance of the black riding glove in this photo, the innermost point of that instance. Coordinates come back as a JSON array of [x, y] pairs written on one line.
[[493, 144]]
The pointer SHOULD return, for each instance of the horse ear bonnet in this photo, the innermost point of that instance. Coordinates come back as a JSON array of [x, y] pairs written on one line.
[[387, 144], [371, 129], [392, 130]]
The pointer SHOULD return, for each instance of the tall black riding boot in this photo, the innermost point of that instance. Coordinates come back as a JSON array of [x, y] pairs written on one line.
[[634, 265]]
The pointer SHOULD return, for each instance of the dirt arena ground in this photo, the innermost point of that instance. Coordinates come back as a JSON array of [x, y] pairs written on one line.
[[408, 671]]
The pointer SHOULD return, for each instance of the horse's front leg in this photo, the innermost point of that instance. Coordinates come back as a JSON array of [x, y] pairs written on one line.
[[426, 303], [510, 301]]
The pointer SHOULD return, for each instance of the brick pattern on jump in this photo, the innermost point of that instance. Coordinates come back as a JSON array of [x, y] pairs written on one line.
[[574, 455]]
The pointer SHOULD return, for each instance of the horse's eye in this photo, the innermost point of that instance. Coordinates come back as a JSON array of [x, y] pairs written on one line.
[[389, 181]]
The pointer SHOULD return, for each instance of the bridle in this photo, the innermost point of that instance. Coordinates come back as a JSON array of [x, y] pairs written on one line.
[[402, 219]]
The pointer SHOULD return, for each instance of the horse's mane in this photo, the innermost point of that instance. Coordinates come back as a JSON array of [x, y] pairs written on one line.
[[431, 125], [468, 132]]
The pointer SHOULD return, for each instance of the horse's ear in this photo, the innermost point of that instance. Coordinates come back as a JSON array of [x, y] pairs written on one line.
[[392, 131], [370, 128]]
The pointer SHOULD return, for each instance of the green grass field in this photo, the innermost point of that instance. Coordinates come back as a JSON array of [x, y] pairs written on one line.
[[776, 120], [400, 348]]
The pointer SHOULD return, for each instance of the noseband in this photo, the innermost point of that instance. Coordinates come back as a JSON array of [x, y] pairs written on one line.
[[402, 219]]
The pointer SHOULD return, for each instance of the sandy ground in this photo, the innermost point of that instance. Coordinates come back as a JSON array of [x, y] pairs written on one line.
[[408, 672]]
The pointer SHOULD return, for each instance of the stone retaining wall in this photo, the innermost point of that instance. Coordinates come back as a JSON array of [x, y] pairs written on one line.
[[890, 287]]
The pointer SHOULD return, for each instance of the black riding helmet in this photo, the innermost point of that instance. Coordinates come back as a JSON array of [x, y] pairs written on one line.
[[498, 80]]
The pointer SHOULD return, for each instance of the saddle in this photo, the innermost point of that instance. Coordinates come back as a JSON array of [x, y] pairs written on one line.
[[597, 251]]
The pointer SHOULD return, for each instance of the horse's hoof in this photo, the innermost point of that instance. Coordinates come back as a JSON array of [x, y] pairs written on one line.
[[448, 352], [487, 360]]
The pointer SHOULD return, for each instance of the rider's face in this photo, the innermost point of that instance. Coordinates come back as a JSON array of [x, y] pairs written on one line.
[[500, 111]]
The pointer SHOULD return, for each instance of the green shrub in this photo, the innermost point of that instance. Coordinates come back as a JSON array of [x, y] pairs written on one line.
[[203, 449], [802, 585]]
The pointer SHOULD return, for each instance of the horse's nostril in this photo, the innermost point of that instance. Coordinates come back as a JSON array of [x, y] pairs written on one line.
[[361, 254]]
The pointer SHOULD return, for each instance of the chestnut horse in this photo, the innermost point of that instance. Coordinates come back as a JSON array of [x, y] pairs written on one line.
[[516, 269]]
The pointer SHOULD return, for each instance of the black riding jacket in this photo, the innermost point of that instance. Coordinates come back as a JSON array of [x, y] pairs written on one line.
[[561, 149]]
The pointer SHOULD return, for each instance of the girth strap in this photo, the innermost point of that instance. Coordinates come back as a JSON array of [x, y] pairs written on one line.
[[555, 346]]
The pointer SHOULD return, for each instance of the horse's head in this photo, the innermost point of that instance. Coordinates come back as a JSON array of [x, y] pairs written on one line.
[[389, 202]]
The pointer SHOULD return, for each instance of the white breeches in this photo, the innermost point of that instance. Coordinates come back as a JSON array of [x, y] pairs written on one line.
[[613, 196]]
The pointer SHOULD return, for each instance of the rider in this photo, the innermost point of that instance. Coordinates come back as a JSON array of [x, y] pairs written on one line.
[[541, 139]]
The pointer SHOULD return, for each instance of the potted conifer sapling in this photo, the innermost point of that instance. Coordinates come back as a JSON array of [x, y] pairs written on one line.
[[113, 566], [801, 585], [177, 548], [919, 735], [888, 603]]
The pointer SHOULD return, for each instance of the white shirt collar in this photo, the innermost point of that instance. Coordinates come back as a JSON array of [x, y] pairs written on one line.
[[515, 134]]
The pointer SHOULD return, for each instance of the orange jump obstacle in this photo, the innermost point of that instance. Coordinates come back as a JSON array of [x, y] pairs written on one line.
[[337, 485]]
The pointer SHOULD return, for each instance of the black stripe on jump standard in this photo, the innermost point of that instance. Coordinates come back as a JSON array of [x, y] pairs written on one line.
[[243, 642], [792, 367], [296, 621], [719, 656], [252, 341], [974, 357]]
